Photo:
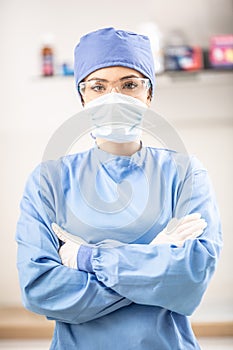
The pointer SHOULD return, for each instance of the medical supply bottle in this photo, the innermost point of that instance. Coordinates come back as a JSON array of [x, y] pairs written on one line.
[[47, 61]]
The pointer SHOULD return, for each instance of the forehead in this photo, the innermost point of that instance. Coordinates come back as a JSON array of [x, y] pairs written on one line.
[[113, 73]]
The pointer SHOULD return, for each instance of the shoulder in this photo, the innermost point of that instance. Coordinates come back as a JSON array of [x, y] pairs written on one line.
[[50, 170], [188, 163]]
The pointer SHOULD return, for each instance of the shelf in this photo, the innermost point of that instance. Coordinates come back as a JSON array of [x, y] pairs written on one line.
[[206, 76], [173, 74], [210, 78]]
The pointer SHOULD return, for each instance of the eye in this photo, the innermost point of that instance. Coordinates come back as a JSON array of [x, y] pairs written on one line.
[[98, 87], [129, 85]]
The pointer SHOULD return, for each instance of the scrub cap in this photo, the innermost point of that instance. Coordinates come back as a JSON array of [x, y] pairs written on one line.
[[110, 47]]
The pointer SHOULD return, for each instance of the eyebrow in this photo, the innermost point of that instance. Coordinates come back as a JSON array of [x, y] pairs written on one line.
[[123, 78]]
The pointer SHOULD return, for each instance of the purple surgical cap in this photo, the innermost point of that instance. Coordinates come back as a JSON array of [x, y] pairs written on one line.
[[110, 47]]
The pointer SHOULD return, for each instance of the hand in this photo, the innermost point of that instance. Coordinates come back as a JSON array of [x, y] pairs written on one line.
[[69, 250], [178, 231]]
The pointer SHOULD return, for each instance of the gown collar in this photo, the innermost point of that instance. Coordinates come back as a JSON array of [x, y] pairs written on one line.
[[137, 157]]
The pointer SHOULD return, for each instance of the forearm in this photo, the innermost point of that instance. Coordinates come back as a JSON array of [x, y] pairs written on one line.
[[65, 294], [172, 278]]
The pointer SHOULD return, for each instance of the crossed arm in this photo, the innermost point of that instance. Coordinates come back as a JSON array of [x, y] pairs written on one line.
[[158, 274]]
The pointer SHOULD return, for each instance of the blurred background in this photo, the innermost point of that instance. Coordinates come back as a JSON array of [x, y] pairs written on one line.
[[194, 93]]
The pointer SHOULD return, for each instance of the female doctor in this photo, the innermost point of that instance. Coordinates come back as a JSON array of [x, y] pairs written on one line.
[[117, 244]]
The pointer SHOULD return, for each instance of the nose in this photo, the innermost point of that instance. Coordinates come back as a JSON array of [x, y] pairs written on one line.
[[114, 89]]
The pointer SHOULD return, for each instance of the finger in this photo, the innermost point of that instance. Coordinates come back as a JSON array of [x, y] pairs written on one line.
[[66, 236], [190, 217], [59, 232], [174, 222], [193, 236], [180, 243], [182, 227], [197, 234], [177, 242], [176, 227], [190, 230]]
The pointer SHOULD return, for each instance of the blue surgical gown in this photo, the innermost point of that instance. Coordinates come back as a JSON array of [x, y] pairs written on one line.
[[139, 296]]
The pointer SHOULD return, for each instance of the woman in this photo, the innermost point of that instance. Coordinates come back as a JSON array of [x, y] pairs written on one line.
[[117, 244]]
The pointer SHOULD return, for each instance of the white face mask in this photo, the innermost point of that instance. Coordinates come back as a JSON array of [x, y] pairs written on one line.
[[116, 117]]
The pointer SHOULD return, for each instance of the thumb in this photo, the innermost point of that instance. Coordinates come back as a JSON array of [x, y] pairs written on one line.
[[59, 232]]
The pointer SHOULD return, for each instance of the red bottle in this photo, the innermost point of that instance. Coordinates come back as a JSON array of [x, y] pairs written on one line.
[[47, 61]]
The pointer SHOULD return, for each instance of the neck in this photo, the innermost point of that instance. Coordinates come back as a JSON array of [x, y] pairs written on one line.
[[121, 149]]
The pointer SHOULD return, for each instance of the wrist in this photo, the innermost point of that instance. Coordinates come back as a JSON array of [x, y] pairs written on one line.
[[84, 259]]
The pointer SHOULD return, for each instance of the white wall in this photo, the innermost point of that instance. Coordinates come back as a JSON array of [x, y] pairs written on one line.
[[32, 108]]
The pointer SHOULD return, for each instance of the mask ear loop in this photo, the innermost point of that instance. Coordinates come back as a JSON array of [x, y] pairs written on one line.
[[94, 138], [140, 145]]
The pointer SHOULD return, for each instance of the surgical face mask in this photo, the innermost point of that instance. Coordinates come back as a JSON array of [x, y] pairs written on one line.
[[116, 117]]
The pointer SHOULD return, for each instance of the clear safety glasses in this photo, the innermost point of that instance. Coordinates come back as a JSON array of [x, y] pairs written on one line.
[[129, 86]]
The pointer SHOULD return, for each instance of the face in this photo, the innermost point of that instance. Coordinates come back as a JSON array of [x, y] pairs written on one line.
[[113, 75]]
